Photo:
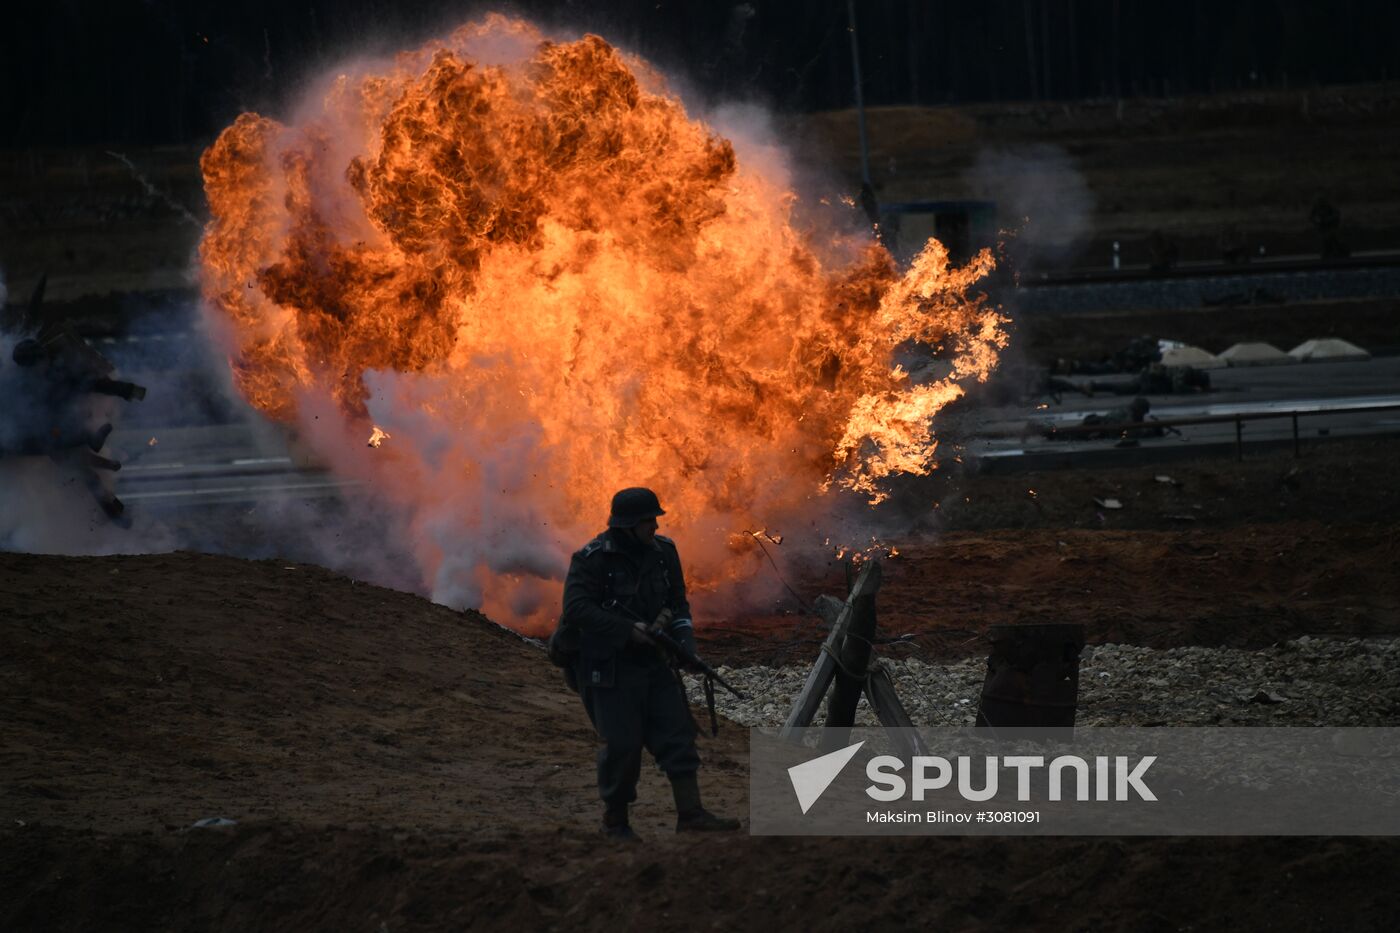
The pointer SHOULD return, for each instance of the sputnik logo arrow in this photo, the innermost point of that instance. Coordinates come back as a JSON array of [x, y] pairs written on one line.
[[811, 778]]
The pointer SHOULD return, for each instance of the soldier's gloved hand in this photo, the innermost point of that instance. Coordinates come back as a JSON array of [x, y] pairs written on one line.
[[662, 623], [639, 634]]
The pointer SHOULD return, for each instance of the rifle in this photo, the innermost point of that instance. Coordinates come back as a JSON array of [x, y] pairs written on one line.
[[687, 658], [690, 659], [656, 632]]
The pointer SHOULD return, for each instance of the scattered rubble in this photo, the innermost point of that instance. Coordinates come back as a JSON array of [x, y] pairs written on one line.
[[1305, 682]]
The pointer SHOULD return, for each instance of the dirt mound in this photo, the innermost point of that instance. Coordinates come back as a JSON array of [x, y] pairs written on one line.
[[284, 878], [394, 764], [1245, 586], [191, 686]]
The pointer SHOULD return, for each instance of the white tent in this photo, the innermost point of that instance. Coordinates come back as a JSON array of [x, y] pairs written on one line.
[[1255, 354], [1194, 357], [1327, 350]]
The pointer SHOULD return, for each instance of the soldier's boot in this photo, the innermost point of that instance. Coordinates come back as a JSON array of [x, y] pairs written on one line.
[[691, 816], [113, 506], [616, 826]]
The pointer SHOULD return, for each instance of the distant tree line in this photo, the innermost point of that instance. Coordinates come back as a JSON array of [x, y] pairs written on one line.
[[166, 71]]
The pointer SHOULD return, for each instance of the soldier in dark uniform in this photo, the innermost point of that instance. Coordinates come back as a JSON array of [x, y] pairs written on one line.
[[1136, 413], [621, 584], [1158, 379], [61, 369]]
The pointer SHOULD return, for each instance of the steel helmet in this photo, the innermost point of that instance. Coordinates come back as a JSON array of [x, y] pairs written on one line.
[[632, 506]]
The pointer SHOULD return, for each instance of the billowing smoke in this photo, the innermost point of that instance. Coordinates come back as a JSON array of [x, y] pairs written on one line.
[[49, 495], [1041, 195], [525, 272]]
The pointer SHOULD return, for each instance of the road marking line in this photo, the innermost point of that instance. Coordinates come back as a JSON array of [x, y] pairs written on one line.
[[174, 493]]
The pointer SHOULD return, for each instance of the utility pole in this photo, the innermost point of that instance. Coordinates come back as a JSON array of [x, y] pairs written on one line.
[[860, 96]]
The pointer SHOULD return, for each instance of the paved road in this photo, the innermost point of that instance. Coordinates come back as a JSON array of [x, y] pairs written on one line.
[[1004, 436], [1375, 276], [218, 465], [247, 462]]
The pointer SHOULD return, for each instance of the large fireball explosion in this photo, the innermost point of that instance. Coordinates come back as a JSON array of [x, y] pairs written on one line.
[[526, 271]]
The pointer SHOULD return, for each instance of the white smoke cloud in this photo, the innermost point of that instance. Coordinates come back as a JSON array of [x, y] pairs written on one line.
[[1040, 192], [757, 146], [485, 518], [48, 505]]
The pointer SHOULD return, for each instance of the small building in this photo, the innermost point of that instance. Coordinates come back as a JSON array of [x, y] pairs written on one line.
[[964, 227]]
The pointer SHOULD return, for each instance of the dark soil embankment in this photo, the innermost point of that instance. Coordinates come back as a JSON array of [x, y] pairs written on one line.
[[1203, 552], [396, 765], [1244, 587], [1341, 482]]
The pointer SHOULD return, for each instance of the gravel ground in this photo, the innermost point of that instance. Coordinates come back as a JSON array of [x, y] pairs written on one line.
[[1305, 682]]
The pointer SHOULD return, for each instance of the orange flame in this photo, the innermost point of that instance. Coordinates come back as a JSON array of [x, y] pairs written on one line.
[[527, 261]]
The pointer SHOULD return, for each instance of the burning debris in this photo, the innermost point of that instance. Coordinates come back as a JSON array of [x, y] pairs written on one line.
[[527, 260]]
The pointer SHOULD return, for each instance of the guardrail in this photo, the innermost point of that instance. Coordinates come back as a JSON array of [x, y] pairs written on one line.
[[1128, 429], [1139, 272]]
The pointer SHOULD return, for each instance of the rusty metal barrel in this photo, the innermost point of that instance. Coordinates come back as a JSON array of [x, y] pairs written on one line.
[[1032, 676]]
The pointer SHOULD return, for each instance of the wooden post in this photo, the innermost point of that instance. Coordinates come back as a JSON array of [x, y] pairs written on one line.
[[855, 657], [809, 700], [880, 693], [879, 690]]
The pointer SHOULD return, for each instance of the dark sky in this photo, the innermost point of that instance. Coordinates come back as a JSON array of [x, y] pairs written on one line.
[[173, 71]]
